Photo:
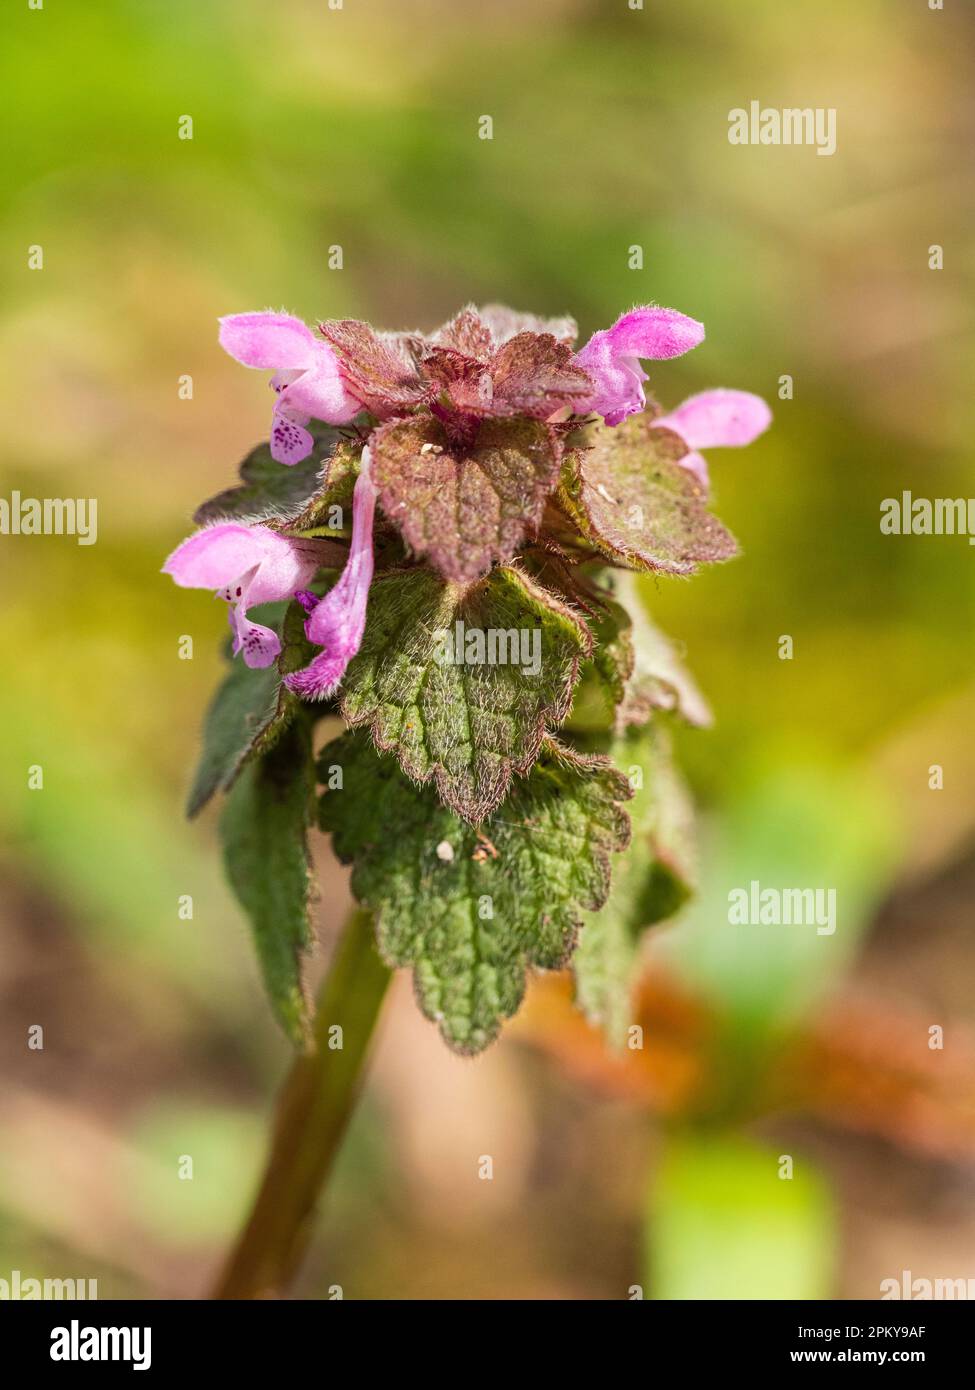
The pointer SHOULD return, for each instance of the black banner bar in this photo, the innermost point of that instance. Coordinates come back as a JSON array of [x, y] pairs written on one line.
[[289, 1338]]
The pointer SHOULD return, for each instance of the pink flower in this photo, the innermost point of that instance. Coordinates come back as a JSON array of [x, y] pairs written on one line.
[[716, 419], [246, 566], [612, 357], [337, 622], [306, 377]]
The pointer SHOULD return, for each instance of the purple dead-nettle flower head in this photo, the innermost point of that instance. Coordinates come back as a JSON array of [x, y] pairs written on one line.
[[471, 421], [306, 377], [245, 566], [336, 622], [716, 419], [612, 357], [482, 364]]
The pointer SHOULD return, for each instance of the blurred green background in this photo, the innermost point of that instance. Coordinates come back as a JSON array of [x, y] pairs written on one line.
[[357, 127]]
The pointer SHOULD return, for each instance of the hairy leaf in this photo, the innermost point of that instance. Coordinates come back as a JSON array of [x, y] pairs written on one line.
[[268, 489], [463, 384], [377, 367], [604, 678], [251, 707], [534, 374], [504, 323], [652, 881], [659, 679], [631, 498], [243, 706], [634, 669], [467, 333], [471, 909], [328, 510], [531, 373], [463, 506], [466, 706], [264, 831]]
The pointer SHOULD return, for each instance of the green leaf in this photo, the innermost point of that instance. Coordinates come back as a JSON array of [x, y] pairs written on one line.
[[659, 680], [241, 708], [378, 367], [329, 510], [634, 669], [795, 822], [471, 909], [250, 709], [268, 489], [634, 502], [604, 678], [653, 880], [263, 828], [469, 727], [463, 506]]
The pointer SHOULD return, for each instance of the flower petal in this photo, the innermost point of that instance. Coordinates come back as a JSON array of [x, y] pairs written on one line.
[[287, 566], [618, 381], [290, 441], [220, 554], [268, 340], [652, 332], [228, 555], [259, 644], [321, 677], [697, 464], [320, 391], [338, 621], [718, 418], [611, 357]]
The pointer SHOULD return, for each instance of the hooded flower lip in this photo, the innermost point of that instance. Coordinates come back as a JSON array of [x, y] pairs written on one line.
[[336, 622], [245, 566], [612, 357], [306, 377], [716, 419]]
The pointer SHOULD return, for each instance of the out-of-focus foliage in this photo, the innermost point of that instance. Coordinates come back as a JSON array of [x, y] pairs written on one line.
[[794, 825], [729, 1221]]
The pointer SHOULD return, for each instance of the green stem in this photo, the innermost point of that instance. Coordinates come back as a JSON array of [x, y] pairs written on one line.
[[313, 1110]]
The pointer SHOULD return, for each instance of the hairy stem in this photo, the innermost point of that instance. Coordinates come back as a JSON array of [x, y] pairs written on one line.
[[313, 1110]]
